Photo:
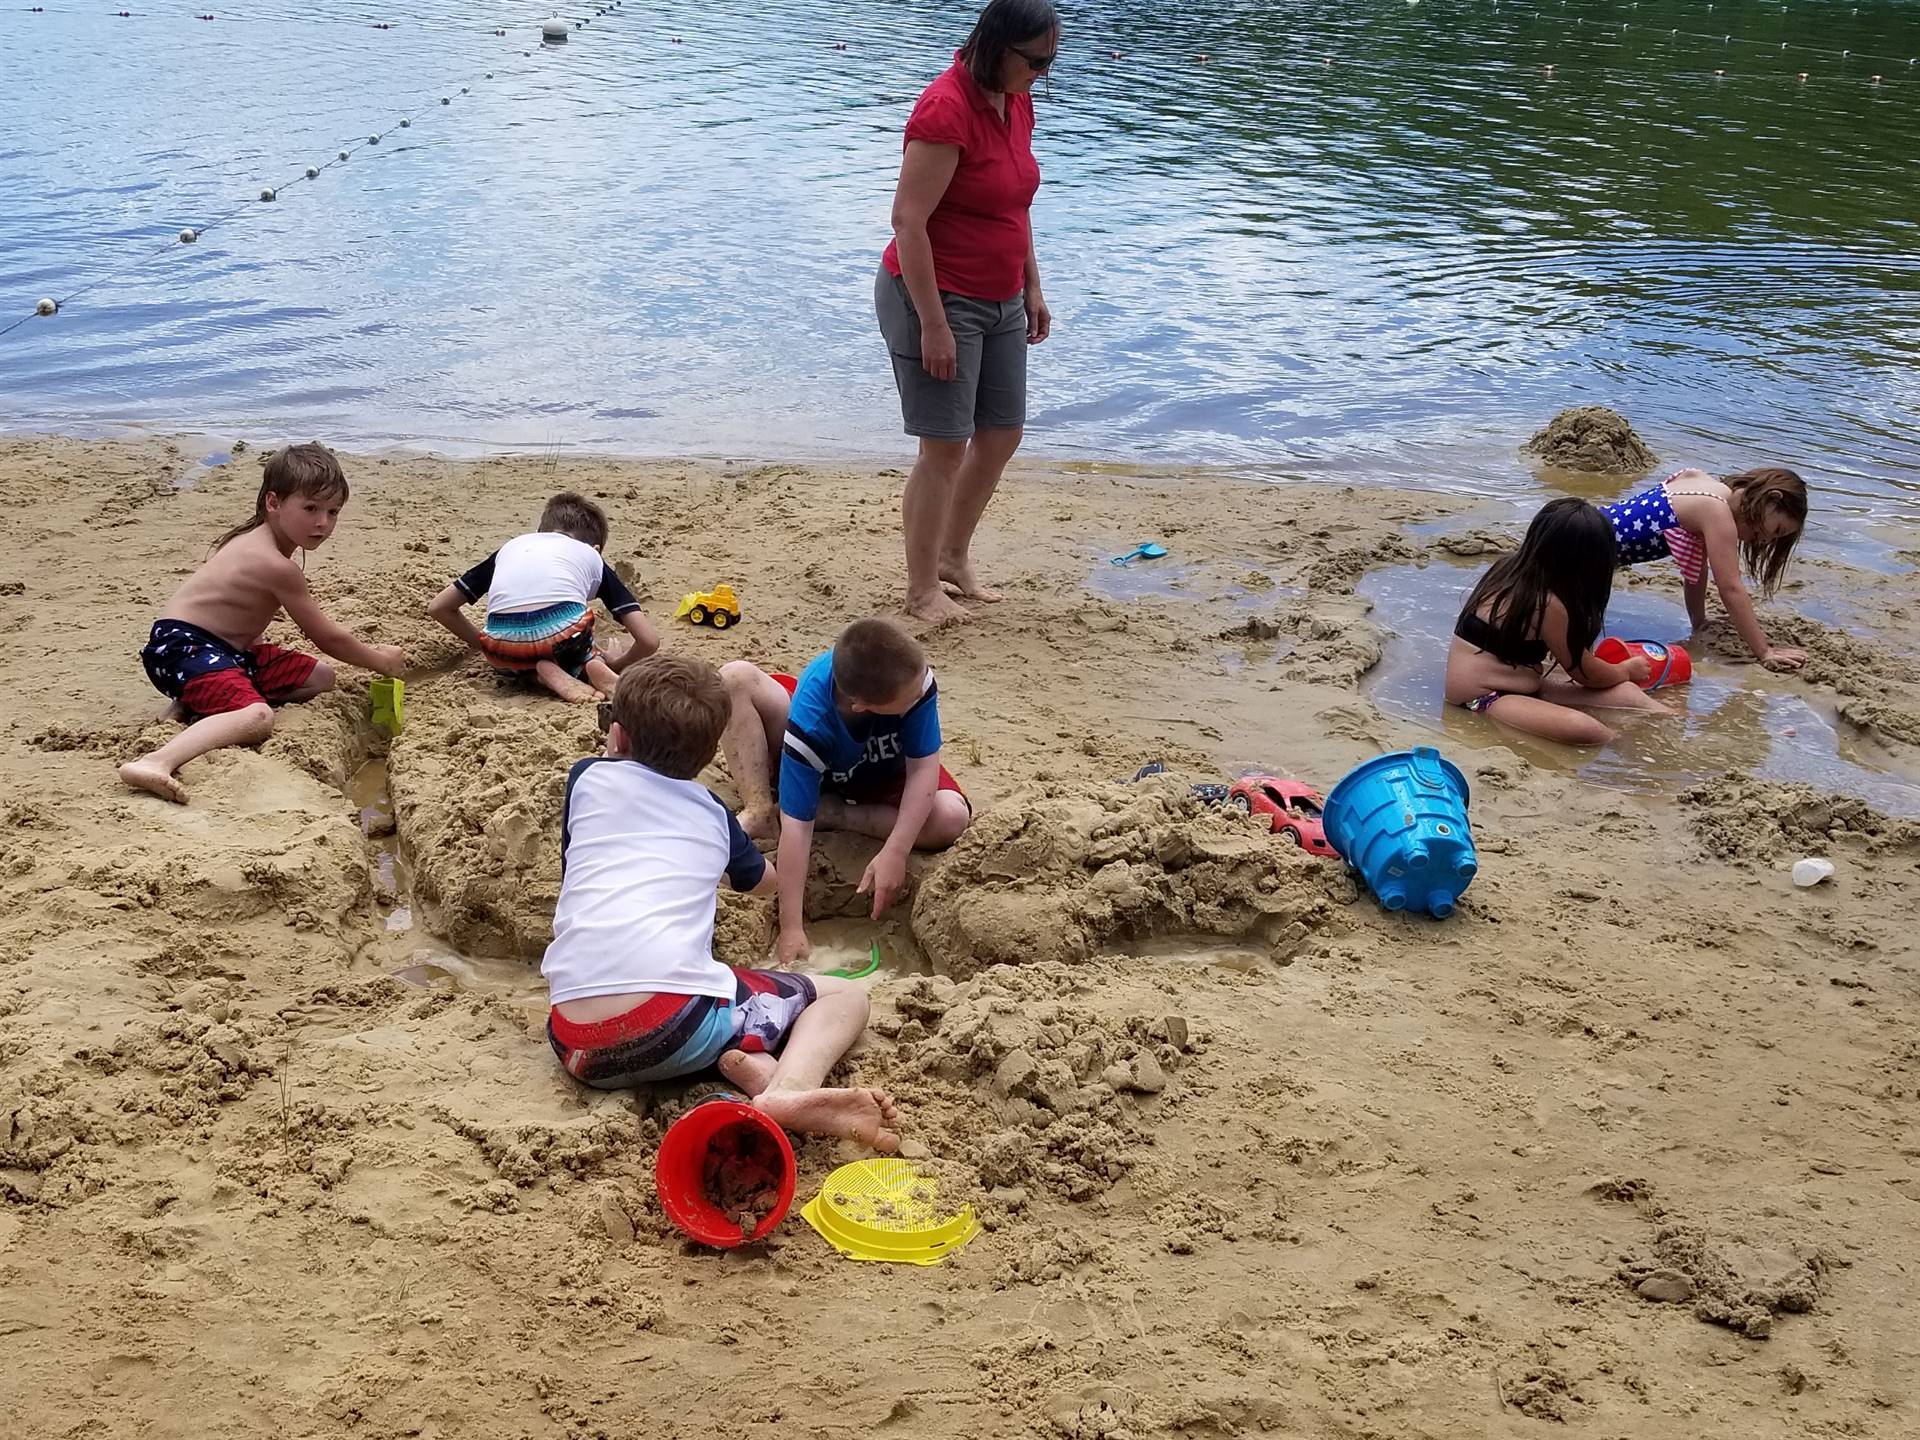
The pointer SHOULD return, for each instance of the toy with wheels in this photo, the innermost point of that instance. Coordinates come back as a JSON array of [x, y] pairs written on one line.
[[718, 607], [1293, 808]]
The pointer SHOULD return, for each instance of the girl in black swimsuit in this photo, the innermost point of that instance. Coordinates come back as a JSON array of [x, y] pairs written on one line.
[[1547, 600]]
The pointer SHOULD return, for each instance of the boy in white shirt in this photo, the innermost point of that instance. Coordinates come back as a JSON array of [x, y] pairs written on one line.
[[540, 590], [635, 993]]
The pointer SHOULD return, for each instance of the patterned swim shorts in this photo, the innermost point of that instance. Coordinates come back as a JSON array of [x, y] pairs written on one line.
[[675, 1035]]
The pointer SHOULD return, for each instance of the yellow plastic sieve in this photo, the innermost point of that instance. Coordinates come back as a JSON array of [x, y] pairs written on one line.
[[884, 1210]]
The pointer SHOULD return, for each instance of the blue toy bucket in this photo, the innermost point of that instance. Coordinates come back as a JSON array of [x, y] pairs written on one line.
[[1401, 821]]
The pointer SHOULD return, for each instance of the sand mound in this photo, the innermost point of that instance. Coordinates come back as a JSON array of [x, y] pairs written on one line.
[[1058, 872], [477, 789], [1739, 817], [1591, 438], [1729, 1280], [1023, 1081]]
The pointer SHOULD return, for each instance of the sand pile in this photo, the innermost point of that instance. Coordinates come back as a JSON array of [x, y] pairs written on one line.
[[1058, 872], [1591, 438], [1740, 817], [1728, 1280], [1031, 1085]]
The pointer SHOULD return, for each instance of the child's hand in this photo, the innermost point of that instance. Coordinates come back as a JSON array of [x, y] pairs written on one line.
[[1639, 669], [791, 949], [1783, 657], [389, 659], [885, 876]]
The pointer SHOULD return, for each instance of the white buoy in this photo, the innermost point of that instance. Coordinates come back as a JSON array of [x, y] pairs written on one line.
[[1811, 871], [189, 235], [554, 29], [345, 154], [406, 124], [266, 195], [46, 307], [313, 172], [446, 99], [373, 139]]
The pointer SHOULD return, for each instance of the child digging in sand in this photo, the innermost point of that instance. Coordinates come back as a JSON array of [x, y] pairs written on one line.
[[1547, 600], [859, 749], [540, 590], [205, 652], [636, 994]]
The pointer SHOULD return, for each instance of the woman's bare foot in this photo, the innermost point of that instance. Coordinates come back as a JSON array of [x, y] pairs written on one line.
[[853, 1114], [750, 1073], [762, 822], [936, 609], [959, 579], [155, 778]]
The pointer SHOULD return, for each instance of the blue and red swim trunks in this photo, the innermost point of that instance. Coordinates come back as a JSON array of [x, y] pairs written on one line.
[[675, 1035], [211, 676]]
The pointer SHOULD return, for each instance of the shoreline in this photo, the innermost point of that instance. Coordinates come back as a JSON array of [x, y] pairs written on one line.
[[1399, 1177]]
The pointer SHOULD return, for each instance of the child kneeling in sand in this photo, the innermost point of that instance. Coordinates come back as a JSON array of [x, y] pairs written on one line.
[[205, 652], [636, 994], [540, 590], [859, 748]]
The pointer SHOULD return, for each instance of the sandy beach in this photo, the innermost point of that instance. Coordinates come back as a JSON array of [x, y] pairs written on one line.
[[1631, 1143]]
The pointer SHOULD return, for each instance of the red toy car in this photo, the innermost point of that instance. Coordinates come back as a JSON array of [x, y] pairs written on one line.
[[1295, 809]]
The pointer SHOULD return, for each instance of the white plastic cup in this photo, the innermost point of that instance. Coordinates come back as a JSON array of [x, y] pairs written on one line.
[[1811, 871]]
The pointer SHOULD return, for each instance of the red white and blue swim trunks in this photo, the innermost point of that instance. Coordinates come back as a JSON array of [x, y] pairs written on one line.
[[211, 676], [671, 1036]]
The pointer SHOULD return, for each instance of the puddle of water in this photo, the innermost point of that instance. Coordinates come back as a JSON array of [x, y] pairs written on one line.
[[842, 944], [1241, 959], [1734, 716], [392, 880]]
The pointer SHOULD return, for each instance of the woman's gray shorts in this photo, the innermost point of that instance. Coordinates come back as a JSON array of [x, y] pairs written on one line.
[[989, 388]]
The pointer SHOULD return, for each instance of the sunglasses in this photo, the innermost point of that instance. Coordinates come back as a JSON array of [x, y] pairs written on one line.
[[1039, 64]]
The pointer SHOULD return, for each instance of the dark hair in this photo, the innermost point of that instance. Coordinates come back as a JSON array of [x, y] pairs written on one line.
[[1755, 492], [874, 660], [673, 709], [1568, 554], [309, 470], [575, 515], [1001, 26]]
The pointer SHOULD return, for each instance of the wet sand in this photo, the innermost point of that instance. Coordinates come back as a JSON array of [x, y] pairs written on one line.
[[282, 1146]]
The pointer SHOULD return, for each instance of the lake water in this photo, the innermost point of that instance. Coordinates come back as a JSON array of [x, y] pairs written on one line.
[[660, 236]]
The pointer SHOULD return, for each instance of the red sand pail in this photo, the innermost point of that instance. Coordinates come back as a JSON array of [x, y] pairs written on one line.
[[720, 1158], [1671, 663]]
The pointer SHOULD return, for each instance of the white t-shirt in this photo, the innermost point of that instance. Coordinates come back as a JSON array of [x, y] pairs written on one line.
[[530, 572], [640, 857]]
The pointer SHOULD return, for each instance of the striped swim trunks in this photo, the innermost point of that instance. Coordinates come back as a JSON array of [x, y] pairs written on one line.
[[518, 640], [671, 1036]]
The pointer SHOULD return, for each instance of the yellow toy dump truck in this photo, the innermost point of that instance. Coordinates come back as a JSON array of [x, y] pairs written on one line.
[[718, 607]]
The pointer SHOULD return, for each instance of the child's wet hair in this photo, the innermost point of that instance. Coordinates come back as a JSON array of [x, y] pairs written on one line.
[[1756, 493], [1569, 553], [310, 470], [575, 515], [874, 660], [673, 709]]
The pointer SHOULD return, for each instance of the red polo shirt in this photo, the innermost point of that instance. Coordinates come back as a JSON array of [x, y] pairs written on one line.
[[979, 228]]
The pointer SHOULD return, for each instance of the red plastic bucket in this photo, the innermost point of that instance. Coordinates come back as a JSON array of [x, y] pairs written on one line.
[[722, 1157], [1671, 663]]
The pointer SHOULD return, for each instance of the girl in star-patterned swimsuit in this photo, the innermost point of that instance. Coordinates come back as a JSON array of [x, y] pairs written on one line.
[[1709, 527]]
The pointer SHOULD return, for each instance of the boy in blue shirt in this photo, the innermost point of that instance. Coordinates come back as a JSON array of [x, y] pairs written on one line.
[[858, 741]]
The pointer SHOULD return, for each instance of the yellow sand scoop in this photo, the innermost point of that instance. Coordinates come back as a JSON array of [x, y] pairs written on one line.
[[884, 1210], [388, 697]]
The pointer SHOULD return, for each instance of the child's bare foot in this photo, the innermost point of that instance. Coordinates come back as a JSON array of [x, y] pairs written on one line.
[[959, 579], [155, 778], [751, 1073], [853, 1114], [762, 822], [936, 609]]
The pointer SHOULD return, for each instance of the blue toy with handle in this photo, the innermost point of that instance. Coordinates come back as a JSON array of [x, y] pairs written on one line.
[[1400, 820]]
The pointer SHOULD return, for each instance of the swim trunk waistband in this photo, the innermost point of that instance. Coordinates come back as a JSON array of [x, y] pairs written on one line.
[[671, 1036]]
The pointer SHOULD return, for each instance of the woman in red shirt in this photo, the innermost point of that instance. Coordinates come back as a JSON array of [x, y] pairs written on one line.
[[958, 293]]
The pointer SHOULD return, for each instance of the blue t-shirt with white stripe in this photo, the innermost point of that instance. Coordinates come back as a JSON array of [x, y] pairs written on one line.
[[826, 749]]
